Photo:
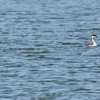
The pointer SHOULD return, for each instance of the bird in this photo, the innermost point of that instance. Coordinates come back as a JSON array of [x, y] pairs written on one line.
[[93, 42]]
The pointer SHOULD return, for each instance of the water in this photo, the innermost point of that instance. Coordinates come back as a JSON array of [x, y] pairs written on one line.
[[42, 55]]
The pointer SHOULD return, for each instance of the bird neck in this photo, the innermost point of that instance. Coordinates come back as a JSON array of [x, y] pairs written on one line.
[[94, 43]]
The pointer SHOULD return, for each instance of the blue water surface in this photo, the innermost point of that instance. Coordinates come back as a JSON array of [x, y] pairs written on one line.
[[42, 55]]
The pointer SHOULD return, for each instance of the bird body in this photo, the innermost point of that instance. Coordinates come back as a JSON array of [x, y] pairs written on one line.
[[93, 42]]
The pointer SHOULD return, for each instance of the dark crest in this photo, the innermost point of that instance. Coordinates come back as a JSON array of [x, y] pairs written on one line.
[[94, 35]]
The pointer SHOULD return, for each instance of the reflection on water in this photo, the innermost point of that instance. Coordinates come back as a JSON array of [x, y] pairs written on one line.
[[42, 55]]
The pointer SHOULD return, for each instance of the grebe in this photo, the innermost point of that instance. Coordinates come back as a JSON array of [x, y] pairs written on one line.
[[93, 42]]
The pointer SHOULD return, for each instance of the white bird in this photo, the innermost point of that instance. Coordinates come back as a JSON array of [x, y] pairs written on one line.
[[93, 42]]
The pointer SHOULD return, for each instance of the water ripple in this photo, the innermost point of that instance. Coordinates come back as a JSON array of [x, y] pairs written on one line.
[[42, 55]]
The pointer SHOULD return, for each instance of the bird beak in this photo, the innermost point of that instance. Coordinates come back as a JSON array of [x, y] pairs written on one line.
[[98, 37]]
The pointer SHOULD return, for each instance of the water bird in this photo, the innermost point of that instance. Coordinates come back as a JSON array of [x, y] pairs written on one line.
[[93, 42]]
